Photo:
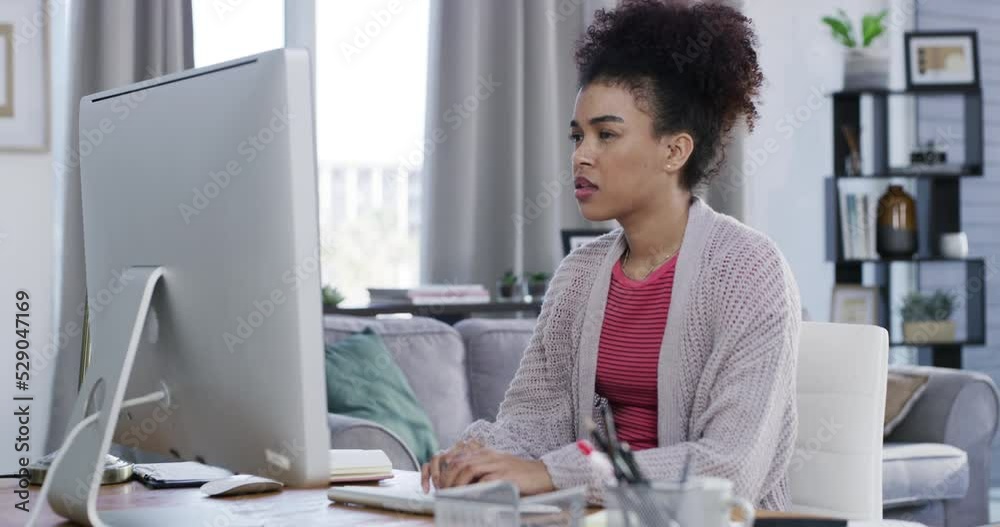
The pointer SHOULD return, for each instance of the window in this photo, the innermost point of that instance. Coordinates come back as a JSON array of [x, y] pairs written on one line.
[[371, 84], [230, 29]]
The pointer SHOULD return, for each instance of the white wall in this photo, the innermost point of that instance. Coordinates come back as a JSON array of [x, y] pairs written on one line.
[[26, 245], [790, 152], [25, 263]]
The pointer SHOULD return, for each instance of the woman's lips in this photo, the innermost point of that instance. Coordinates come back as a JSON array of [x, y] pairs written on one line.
[[584, 188]]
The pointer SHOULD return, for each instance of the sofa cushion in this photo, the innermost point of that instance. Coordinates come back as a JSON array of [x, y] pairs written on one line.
[[913, 473], [431, 355], [902, 391], [363, 381], [493, 352]]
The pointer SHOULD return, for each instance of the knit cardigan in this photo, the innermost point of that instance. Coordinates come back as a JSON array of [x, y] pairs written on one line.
[[726, 373]]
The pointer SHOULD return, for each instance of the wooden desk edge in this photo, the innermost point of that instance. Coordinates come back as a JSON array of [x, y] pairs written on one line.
[[290, 505]]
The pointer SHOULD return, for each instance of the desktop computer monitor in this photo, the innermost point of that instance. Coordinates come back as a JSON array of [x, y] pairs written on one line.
[[207, 177]]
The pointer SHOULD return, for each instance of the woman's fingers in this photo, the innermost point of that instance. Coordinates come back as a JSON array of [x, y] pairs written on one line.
[[464, 463], [472, 472], [435, 470], [425, 477]]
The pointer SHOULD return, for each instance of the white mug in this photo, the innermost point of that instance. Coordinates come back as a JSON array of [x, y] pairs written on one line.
[[701, 502], [955, 245]]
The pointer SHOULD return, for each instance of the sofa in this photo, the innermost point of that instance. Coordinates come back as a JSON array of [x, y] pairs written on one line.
[[936, 461]]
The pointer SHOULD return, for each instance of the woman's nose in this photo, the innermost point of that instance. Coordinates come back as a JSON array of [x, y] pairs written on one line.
[[582, 157]]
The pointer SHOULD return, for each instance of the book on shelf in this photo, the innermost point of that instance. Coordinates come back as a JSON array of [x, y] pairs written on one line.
[[942, 168], [858, 211], [431, 294]]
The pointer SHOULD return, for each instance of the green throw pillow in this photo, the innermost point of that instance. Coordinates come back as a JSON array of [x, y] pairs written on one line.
[[363, 380]]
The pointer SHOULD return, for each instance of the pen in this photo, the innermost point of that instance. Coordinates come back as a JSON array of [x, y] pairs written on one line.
[[602, 443], [629, 457], [624, 468]]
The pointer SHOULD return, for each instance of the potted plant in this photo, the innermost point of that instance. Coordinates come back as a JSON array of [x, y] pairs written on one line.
[[538, 283], [865, 66], [927, 318], [508, 287], [331, 297]]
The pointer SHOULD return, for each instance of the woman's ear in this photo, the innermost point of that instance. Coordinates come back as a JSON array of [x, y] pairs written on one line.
[[676, 150]]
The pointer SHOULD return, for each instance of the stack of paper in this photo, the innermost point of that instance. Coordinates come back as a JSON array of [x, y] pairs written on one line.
[[431, 294], [359, 465]]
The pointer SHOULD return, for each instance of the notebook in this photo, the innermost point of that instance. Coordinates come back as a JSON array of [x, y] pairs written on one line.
[[348, 466]]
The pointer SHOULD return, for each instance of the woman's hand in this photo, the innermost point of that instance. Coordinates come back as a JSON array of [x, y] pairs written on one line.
[[434, 470], [484, 464]]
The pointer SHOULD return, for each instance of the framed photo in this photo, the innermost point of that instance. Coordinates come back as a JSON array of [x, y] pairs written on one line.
[[575, 238], [854, 304], [24, 86], [944, 60]]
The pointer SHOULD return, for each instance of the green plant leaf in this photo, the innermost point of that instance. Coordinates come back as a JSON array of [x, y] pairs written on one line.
[[850, 26], [331, 296], [538, 277], [872, 27], [840, 30], [508, 278], [919, 307]]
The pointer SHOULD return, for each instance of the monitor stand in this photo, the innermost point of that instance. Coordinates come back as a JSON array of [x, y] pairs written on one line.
[[76, 481]]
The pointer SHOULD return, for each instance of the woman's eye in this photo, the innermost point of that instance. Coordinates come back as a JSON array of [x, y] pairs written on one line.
[[575, 137], [605, 135]]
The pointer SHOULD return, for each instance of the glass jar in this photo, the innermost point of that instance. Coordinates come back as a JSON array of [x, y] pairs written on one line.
[[897, 224]]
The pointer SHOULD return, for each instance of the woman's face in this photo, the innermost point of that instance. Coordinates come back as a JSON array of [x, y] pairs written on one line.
[[618, 165]]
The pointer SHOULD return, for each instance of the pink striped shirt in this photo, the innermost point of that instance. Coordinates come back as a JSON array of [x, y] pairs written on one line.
[[629, 351]]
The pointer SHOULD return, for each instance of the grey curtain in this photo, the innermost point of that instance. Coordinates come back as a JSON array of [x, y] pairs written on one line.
[[110, 43], [498, 185]]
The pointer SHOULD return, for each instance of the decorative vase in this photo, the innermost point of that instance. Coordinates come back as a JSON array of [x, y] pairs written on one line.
[[866, 68], [954, 245], [537, 288], [509, 291], [896, 235], [929, 332]]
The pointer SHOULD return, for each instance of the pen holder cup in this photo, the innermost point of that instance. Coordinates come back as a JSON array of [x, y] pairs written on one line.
[[498, 504], [701, 502]]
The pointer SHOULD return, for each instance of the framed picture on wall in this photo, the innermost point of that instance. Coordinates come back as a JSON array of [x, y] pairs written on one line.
[[942, 60], [854, 304], [24, 89], [573, 239]]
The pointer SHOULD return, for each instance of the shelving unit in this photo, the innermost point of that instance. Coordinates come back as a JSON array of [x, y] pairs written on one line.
[[938, 199]]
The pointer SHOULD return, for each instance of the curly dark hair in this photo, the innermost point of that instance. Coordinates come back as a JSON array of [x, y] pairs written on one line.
[[691, 68]]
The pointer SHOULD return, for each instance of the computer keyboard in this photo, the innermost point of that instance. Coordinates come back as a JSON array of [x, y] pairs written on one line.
[[405, 499], [398, 498]]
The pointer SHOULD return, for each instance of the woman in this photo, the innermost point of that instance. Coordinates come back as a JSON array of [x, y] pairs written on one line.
[[684, 320]]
